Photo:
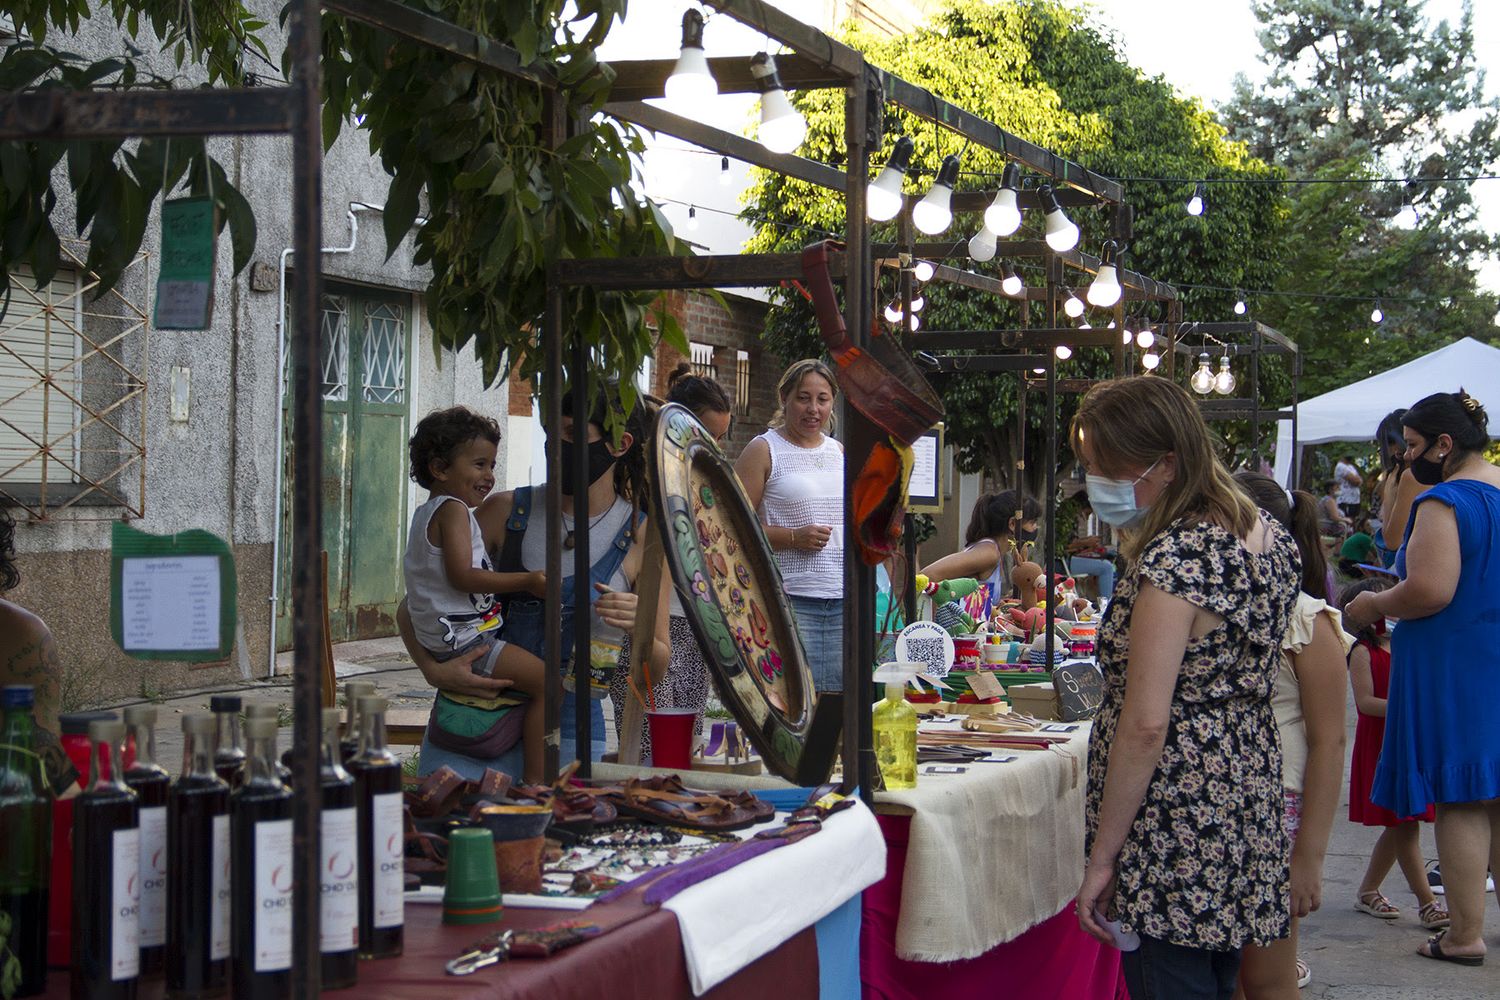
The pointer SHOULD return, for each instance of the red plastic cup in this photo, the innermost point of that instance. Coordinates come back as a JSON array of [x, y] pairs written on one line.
[[672, 737]]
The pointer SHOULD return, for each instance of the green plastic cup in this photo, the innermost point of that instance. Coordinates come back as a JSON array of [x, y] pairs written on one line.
[[472, 895]]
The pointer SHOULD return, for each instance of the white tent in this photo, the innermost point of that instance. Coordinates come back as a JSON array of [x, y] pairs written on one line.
[[1352, 413]]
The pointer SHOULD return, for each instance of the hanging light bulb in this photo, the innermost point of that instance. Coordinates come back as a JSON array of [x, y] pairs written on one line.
[[1150, 360], [1003, 217], [917, 304], [1062, 234], [1203, 379], [932, 214], [724, 171], [1239, 306], [782, 127], [893, 314], [883, 196], [1063, 352], [1010, 282], [923, 271], [691, 85], [1127, 332], [1085, 325], [1144, 338], [914, 324], [1408, 217], [1125, 335], [692, 218], [1224, 381], [1196, 204], [1038, 371], [1104, 291], [1376, 315], [982, 245], [1073, 306]]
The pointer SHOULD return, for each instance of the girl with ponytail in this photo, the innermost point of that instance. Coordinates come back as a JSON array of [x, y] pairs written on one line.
[[1308, 701]]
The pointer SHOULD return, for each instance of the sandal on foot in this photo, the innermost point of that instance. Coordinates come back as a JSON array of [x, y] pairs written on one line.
[[1376, 905], [1304, 974], [1433, 916], [1435, 951]]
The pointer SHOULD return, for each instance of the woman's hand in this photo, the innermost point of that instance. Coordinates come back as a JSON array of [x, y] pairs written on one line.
[[1094, 897], [457, 675], [1361, 611], [616, 607], [1307, 885], [811, 537]]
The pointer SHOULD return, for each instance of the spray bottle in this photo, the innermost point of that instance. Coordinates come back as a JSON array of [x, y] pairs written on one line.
[[895, 725]]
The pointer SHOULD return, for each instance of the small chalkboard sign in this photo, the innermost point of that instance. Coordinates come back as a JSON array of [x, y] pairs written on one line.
[[185, 286], [1080, 689]]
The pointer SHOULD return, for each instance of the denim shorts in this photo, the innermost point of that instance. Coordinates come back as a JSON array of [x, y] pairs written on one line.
[[1160, 970], [820, 622]]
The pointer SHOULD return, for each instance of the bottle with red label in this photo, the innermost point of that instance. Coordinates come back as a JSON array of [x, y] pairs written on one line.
[[261, 881], [340, 865], [198, 929], [149, 780], [106, 874], [377, 795]]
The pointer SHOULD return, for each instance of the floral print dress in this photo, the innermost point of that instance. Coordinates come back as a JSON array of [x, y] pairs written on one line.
[[1205, 864]]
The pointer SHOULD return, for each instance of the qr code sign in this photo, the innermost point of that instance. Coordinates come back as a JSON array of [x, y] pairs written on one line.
[[928, 651]]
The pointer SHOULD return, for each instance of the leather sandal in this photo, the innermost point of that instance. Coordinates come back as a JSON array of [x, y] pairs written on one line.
[[1435, 951], [1376, 905], [1434, 916], [665, 800]]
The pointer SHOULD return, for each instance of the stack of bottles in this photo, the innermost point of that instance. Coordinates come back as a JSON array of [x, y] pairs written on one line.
[[192, 879]]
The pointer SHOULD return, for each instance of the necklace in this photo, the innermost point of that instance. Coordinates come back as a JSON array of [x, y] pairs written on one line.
[[568, 523]]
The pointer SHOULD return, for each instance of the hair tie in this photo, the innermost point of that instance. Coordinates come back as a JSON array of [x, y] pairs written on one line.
[[1471, 405]]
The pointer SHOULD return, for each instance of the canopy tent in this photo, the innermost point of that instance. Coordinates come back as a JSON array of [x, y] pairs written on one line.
[[1352, 412]]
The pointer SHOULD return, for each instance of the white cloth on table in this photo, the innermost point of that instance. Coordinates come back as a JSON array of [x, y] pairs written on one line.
[[732, 919], [992, 852]]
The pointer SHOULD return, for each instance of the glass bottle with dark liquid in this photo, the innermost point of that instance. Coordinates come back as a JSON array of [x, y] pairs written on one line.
[[149, 780], [261, 710], [261, 872], [198, 935], [229, 759], [106, 875], [25, 842], [377, 790], [340, 869], [353, 691]]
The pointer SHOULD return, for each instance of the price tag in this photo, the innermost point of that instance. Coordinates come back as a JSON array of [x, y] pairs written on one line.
[[984, 685], [944, 769]]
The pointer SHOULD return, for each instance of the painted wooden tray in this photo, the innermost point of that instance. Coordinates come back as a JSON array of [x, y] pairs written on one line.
[[731, 590]]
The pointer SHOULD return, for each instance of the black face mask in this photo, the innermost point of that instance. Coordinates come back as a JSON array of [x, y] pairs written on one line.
[[1425, 470], [600, 462], [1025, 537]]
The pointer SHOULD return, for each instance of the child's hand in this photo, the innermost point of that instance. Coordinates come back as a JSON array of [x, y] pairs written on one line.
[[536, 584], [1307, 886]]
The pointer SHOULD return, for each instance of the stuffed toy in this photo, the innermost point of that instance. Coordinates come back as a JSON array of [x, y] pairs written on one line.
[[946, 609]]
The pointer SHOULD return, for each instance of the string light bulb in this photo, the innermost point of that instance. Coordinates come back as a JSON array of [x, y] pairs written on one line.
[[1376, 315], [1224, 382], [1145, 336], [1196, 204], [1062, 233], [1085, 325], [883, 196], [691, 84], [1104, 291], [1202, 381], [1010, 282], [724, 171], [914, 324], [982, 245], [1239, 306], [782, 127], [932, 215], [923, 271], [692, 222], [893, 314], [1003, 217], [917, 304], [1073, 306], [1150, 360], [1063, 352]]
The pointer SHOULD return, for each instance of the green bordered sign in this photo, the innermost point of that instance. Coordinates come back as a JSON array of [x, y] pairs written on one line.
[[185, 286], [172, 597]]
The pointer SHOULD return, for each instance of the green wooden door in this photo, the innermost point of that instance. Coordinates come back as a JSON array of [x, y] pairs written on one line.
[[365, 339]]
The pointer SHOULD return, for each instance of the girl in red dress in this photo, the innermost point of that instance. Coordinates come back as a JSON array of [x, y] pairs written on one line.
[[1400, 840]]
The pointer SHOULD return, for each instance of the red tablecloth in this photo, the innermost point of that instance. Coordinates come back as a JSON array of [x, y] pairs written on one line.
[[639, 961], [1054, 959]]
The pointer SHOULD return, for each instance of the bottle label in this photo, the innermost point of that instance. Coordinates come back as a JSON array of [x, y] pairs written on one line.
[[125, 909], [273, 895], [340, 881], [385, 816], [153, 876], [218, 900]]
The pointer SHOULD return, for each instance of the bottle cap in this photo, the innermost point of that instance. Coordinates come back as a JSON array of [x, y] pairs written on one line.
[[224, 703], [107, 731], [17, 696], [354, 689], [330, 720], [140, 715], [260, 729], [198, 724], [262, 710], [371, 703], [77, 723]]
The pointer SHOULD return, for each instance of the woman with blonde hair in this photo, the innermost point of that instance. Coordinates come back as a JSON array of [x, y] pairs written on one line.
[[794, 477], [1184, 805]]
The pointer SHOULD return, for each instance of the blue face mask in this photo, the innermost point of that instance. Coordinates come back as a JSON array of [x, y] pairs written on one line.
[[1114, 501]]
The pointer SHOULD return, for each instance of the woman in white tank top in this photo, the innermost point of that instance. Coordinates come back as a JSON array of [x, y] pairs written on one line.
[[794, 475]]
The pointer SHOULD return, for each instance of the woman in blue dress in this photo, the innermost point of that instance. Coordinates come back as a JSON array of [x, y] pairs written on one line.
[[1442, 736]]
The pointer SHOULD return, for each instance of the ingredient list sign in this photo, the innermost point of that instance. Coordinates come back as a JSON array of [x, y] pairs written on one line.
[[172, 597]]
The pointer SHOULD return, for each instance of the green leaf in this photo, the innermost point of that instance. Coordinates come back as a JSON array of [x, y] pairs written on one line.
[[401, 203]]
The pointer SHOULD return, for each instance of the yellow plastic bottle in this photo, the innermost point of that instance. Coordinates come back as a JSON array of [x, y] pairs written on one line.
[[895, 725]]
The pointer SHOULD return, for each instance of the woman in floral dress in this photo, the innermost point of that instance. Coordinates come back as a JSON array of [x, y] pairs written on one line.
[[1186, 846]]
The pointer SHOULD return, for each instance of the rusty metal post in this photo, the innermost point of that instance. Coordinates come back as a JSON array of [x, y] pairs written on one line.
[[307, 482], [552, 390]]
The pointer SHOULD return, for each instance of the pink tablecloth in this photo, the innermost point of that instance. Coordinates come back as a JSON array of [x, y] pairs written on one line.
[[1054, 959]]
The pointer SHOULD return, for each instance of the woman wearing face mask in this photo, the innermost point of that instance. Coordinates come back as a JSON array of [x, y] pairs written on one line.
[[1442, 738], [1184, 801], [1397, 487], [794, 477], [684, 684], [1001, 528]]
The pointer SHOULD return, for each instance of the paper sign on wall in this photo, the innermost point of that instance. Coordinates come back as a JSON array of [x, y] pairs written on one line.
[[189, 245], [172, 597], [925, 494]]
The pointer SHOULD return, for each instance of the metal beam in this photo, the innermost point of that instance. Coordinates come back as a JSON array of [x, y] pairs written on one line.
[[805, 39], [751, 270], [968, 279], [1244, 328], [949, 365], [122, 114], [661, 120], [979, 340], [436, 33], [1027, 199], [646, 79]]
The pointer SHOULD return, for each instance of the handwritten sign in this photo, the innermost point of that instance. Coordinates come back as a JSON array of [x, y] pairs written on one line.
[[172, 597], [925, 492], [1080, 689], [189, 245]]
